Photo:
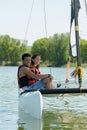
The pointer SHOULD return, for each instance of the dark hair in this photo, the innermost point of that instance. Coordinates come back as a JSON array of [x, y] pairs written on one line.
[[25, 55], [33, 57]]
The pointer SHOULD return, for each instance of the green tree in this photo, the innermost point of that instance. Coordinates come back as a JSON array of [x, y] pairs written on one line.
[[60, 48], [40, 46], [11, 50], [4, 48], [83, 48]]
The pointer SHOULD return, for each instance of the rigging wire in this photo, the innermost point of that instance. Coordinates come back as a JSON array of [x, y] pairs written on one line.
[[85, 1], [45, 23], [45, 20], [29, 18]]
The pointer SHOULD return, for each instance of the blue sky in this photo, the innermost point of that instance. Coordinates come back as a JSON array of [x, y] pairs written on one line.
[[14, 16]]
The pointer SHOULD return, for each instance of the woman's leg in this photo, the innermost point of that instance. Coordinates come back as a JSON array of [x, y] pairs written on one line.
[[48, 83]]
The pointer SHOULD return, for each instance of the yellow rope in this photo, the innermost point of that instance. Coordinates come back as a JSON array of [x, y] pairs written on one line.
[[79, 70]]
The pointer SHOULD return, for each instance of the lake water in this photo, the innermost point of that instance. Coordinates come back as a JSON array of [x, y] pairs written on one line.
[[68, 112]]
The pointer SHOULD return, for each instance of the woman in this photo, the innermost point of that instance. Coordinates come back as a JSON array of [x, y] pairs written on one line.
[[35, 64]]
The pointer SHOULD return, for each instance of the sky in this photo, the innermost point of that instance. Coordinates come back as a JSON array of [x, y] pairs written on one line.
[[15, 14]]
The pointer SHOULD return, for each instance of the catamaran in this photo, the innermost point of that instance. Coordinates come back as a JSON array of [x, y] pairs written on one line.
[[31, 102]]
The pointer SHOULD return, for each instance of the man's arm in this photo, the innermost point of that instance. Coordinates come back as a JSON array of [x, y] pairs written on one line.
[[26, 71]]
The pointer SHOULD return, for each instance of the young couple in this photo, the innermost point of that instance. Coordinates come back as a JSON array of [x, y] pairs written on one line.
[[29, 76]]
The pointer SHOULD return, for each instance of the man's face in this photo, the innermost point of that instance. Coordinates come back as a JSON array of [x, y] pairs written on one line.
[[27, 61]]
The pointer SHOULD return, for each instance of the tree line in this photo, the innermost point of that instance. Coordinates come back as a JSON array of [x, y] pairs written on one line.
[[54, 50]]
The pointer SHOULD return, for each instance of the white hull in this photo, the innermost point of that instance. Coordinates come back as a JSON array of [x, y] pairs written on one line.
[[31, 103]]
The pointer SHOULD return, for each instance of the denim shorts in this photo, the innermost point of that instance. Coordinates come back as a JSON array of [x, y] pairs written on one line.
[[37, 85]]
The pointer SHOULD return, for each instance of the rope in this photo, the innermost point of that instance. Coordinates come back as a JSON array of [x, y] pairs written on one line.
[[85, 6], [45, 21], [80, 73], [79, 70], [29, 18]]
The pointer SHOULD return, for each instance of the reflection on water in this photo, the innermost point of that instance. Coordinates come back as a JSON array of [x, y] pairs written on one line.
[[65, 120], [55, 120], [68, 113], [26, 122]]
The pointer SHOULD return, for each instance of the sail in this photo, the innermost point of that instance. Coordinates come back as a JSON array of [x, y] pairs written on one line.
[[73, 52], [73, 49]]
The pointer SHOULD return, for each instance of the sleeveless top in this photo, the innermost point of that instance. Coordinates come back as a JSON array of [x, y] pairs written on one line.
[[27, 80]]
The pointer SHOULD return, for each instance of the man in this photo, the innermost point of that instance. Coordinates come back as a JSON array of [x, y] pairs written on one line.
[[25, 75]]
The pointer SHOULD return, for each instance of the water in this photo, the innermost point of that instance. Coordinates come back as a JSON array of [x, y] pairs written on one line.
[[68, 112]]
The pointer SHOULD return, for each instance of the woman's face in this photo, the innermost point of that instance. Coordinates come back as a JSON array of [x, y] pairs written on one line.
[[37, 60]]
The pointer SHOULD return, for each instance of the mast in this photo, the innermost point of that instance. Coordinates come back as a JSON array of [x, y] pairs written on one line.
[[77, 32], [76, 10]]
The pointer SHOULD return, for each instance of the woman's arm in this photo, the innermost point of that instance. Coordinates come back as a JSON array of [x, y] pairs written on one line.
[[26, 71]]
